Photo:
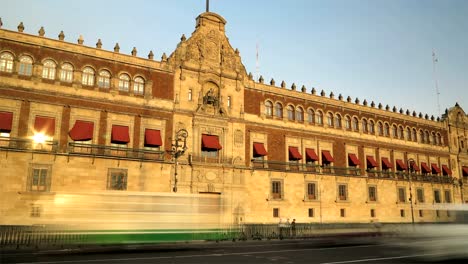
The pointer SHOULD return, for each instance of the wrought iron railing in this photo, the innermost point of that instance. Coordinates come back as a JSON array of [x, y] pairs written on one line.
[[82, 149], [405, 176], [25, 144], [212, 160], [304, 168]]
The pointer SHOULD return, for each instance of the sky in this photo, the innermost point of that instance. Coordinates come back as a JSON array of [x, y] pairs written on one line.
[[378, 50]]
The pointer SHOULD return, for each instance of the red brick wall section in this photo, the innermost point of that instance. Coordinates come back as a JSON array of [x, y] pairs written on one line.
[[163, 85], [23, 125], [136, 132], [102, 128], [65, 128]]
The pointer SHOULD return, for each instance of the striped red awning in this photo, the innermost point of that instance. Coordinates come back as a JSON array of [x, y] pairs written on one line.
[[120, 134], [386, 164], [353, 159], [311, 155], [435, 168], [401, 165], [82, 131], [152, 138], [327, 157], [446, 170], [425, 168], [415, 166], [211, 142], [44, 125], [294, 154], [371, 163], [259, 150], [6, 120]]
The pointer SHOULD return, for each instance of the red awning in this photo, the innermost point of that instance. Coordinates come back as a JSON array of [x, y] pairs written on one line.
[[371, 163], [465, 171], [259, 150], [354, 161], [435, 168], [311, 155], [120, 134], [152, 138], [386, 164], [211, 142], [294, 154], [327, 156], [446, 170], [425, 168], [45, 125], [401, 165], [82, 130], [415, 166], [6, 119]]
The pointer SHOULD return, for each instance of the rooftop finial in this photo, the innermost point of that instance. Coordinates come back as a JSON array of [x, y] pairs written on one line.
[[20, 27], [1, 23], [116, 47], [99, 44], [134, 51], [80, 40], [41, 32], [61, 36], [151, 55]]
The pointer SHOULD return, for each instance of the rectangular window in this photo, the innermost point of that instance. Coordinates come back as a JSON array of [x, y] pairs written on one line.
[[372, 193], [117, 179], [448, 196], [276, 190], [401, 195], [275, 212], [311, 191], [421, 214], [311, 212], [342, 192], [437, 213], [39, 178], [342, 212], [402, 212], [372, 213], [437, 196], [420, 195]]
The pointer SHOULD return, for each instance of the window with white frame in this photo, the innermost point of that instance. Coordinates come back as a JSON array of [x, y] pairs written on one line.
[[448, 196], [371, 127], [6, 62], [66, 73], [437, 196], [364, 126], [290, 109], [342, 192], [312, 191], [310, 116], [299, 114], [138, 86], [420, 195], [338, 121], [25, 66], [40, 177], [347, 122], [268, 108], [104, 79], [278, 110], [372, 191], [117, 179], [48, 70], [330, 119], [124, 82], [276, 189], [319, 118], [355, 124], [88, 77], [401, 195]]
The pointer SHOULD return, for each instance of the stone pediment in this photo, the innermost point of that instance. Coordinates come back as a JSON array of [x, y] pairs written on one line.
[[208, 48]]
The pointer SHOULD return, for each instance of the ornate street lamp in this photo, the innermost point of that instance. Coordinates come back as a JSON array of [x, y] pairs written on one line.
[[410, 169], [178, 149]]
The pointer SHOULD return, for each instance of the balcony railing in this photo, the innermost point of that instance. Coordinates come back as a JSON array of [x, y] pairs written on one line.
[[212, 160], [405, 176], [81, 149], [304, 168], [24, 144]]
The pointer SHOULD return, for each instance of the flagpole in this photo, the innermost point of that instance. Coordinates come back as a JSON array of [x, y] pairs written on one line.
[[434, 60]]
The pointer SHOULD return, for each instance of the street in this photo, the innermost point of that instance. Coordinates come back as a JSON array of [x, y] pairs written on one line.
[[258, 252]]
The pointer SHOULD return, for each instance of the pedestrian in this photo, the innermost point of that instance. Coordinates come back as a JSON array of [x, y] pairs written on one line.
[[280, 227], [293, 227], [288, 227]]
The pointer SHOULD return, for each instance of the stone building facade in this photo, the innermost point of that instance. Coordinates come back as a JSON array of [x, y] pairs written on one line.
[[75, 118]]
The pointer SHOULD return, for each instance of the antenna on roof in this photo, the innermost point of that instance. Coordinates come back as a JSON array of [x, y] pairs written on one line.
[[434, 61], [257, 67], [207, 5]]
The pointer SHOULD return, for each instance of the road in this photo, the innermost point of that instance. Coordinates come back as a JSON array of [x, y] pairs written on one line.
[[261, 252]]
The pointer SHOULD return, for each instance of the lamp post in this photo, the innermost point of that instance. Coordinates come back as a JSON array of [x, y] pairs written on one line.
[[178, 149], [410, 168]]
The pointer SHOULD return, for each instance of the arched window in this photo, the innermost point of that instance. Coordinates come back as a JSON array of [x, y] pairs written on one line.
[[6, 62], [104, 79], [25, 66], [338, 121], [330, 119], [299, 114], [434, 139], [139, 86], [387, 130], [439, 140], [415, 135], [48, 70], [290, 112], [426, 137], [371, 127], [310, 116], [268, 108], [278, 110], [319, 118], [124, 82], [401, 132], [421, 136], [380, 129], [394, 131], [348, 122], [355, 124], [364, 125], [66, 73], [88, 76]]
